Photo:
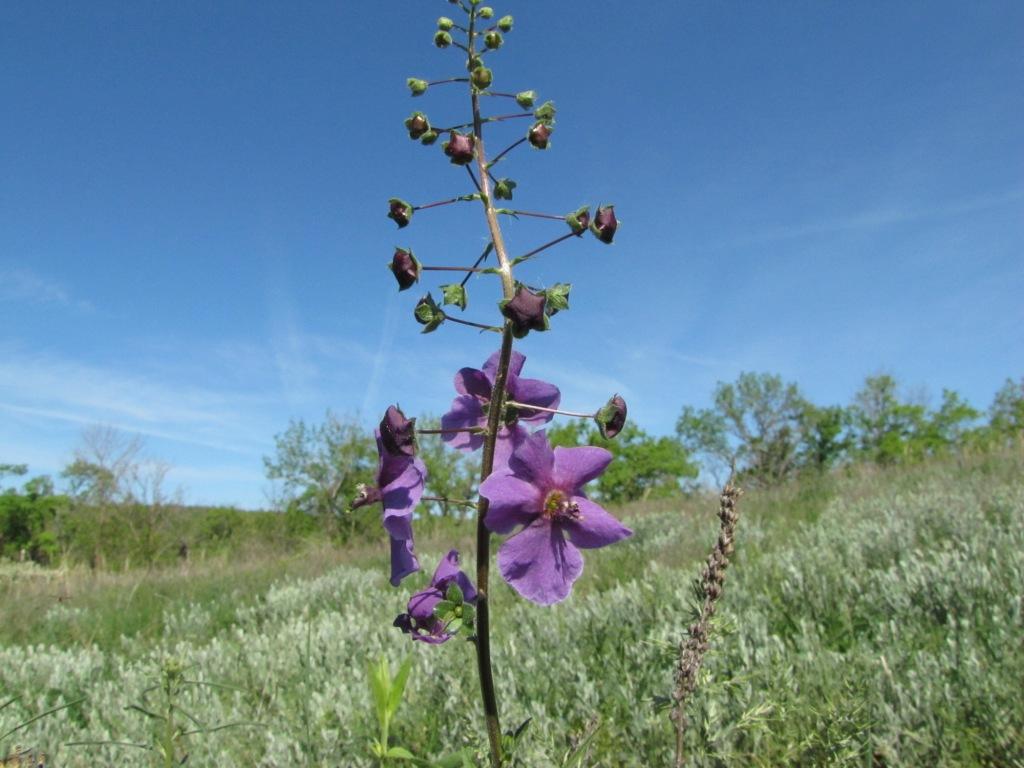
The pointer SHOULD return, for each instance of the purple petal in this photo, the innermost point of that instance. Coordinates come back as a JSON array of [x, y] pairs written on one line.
[[509, 439], [515, 364], [535, 392], [470, 381], [533, 460], [465, 412], [423, 603], [575, 467], [448, 571], [400, 496], [539, 563], [595, 528], [513, 501], [403, 560]]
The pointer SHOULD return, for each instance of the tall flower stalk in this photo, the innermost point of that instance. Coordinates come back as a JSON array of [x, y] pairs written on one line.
[[528, 491]]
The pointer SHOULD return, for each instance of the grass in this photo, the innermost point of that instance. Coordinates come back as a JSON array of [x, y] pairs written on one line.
[[872, 618]]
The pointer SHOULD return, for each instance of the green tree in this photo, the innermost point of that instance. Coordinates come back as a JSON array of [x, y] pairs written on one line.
[[825, 439], [320, 467], [643, 466], [755, 427], [1006, 414]]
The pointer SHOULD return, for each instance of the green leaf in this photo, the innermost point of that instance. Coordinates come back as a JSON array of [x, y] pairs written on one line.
[[444, 609], [545, 112], [453, 626], [400, 753], [557, 297], [454, 594], [454, 294], [525, 99], [398, 686], [380, 683]]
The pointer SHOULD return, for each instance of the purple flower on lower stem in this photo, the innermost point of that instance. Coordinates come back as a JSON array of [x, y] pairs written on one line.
[[471, 405], [420, 620], [400, 480], [542, 490]]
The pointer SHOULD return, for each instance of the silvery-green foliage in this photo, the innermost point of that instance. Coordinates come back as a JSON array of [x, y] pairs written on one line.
[[889, 629]]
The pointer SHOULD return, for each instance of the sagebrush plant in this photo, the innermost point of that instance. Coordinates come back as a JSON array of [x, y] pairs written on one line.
[[528, 491]]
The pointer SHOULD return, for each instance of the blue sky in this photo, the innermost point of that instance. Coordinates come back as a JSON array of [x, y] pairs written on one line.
[[192, 200]]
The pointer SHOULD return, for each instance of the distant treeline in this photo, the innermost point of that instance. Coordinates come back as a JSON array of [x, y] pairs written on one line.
[[113, 511]]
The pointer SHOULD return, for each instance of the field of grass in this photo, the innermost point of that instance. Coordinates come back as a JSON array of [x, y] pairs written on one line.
[[871, 619]]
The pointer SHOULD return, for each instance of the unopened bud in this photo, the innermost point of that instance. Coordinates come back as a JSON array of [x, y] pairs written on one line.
[[400, 212], [417, 124], [428, 314], [459, 148], [545, 112], [503, 189], [540, 135], [397, 433], [417, 86], [442, 39], [445, 24], [611, 418], [481, 78], [493, 40], [454, 294], [429, 137], [579, 220], [604, 224], [525, 99], [505, 23], [486, 12], [526, 311], [406, 268]]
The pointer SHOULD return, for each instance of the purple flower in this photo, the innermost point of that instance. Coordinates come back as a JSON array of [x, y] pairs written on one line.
[[397, 433], [399, 211], [405, 267], [541, 490], [540, 135], [470, 407], [399, 486], [526, 311], [420, 621], [604, 224]]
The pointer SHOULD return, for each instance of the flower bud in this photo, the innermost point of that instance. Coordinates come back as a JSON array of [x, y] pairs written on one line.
[[417, 124], [486, 12], [445, 24], [428, 314], [579, 220], [442, 39], [397, 433], [459, 148], [406, 268], [473, 62], [558, 298], [525, 99], [604, 224], [503, 189], [417, 86], [481, 78], [611, 418], [546, 113], [400, 212], [539, 135], [526, 311], [493, 40], [429, 137], [505, 23]]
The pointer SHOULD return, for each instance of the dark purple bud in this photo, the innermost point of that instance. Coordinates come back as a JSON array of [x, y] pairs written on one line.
[[579, 220], [611, 418], [400, 212], [406, 268], [417, 124], [397, 433], [366, 494], [604, 224], [459, 148], [539, 135], [526, 311]]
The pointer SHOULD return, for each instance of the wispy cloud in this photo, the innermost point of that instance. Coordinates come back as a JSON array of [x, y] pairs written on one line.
[[879, 218], [25, 286]]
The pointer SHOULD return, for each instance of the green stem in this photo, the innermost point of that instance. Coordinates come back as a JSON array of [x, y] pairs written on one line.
[[528, 407], [483, 534], [471, 324]]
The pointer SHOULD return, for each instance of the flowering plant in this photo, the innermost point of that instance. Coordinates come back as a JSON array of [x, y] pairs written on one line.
[[530, 492]]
